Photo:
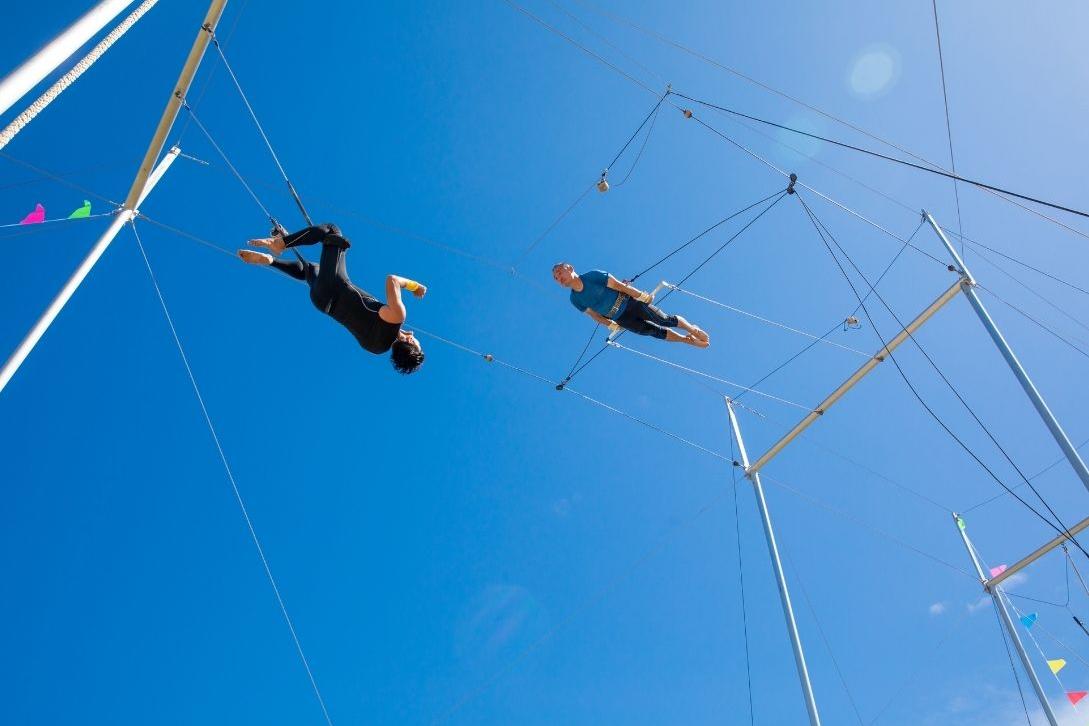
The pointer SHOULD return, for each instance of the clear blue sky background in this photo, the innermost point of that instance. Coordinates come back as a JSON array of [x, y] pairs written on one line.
[[467, 545]]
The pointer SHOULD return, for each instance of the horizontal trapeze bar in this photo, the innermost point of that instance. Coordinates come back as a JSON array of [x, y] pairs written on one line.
[[858, 375]]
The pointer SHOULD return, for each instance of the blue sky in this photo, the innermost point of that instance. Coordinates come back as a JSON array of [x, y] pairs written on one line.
[[468, 545]]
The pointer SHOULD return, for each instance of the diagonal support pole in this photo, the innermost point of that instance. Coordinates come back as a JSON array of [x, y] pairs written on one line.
[[999, 598], [878, 358], [777, 568], [1053, 425]]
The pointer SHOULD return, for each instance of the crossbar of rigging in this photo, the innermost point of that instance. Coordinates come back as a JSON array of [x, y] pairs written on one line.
[[1036, 554], [858, 375]]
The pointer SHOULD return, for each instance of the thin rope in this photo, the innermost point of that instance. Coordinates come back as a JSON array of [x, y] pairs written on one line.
[[207, 82], [838, 325], [1071, 563], [807, 436], [230, 477], [919, 668], [555, 223], [606, 41], [58, 178], [764, 476], [821, 231], [948, 123], [708, 376], [1009, 656], [705, 232], [712, 62], [824, 638], [822, 195], [648, 117], [741, 581], [578, 200], [1033, 291], [773, 323], [1037, 475], [1022, 263], [226, 160], [261, 130], [643, 422], [111, 213], [1032, 319], [642, 147], [580, 46], [886, 157], [237, 175]]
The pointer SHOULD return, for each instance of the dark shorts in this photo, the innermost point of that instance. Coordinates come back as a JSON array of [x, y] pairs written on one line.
[[645, 319]]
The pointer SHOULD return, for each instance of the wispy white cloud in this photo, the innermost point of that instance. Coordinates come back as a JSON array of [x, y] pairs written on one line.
[[1015, 580], [993, 706], [981, 603], [936, 608]]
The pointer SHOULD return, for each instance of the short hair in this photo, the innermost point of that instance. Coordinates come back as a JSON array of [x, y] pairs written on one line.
[[562, 264], [406, 357]]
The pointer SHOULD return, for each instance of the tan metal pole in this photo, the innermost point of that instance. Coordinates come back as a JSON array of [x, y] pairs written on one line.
[[858, 375]]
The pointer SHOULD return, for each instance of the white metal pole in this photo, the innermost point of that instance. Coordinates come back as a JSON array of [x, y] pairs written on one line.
[[123, 216], [999, 599], [46, 60], [1019, 371], [31, 112], [141, 186], [780, 576]]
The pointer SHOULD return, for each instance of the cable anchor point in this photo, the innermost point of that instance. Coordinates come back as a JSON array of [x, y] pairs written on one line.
[[603, 183], [793, 181]]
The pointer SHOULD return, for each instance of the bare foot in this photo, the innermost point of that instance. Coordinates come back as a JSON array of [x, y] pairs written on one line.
[[274, 243], [699, 334], [255, 258], [697, 342]]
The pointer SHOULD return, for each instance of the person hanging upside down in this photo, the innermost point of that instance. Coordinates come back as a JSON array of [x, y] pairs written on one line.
[[377, 327], [615, 304]]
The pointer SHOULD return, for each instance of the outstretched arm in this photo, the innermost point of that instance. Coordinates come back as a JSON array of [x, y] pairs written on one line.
[[628, 290], [598, 317], [394, 310]]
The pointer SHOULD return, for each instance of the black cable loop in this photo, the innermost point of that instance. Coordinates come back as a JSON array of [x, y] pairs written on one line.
[[879, 155], [1062, 529]]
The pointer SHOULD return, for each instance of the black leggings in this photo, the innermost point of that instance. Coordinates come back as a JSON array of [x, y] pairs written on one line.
[[330, 275], [646, 319]]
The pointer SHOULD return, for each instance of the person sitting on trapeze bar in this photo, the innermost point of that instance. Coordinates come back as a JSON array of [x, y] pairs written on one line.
[[616, 304], [377, 327]]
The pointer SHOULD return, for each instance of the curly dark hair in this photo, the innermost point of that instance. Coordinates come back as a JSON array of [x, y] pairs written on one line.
[[406, 357]]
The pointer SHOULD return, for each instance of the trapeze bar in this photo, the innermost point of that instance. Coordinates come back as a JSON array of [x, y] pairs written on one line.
[[858, 375], [1043, 550]]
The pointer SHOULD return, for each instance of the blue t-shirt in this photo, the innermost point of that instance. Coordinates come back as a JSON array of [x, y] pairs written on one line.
[[597, 296]]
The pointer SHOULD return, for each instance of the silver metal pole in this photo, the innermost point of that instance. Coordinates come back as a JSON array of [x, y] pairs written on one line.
[[46, 60], [70, 287], [1019, 371], [780, 576], [878, 358], [999, 599]]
